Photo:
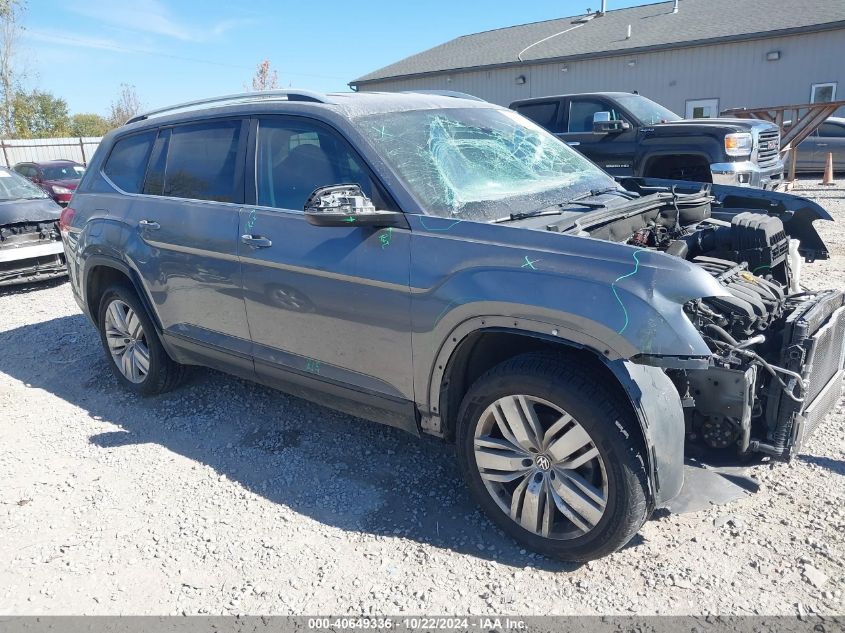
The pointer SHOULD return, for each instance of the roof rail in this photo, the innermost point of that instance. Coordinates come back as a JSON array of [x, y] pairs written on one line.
[[288, 94], [446, 93]]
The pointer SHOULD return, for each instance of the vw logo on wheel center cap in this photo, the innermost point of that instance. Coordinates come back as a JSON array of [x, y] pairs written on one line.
[[543, 462]]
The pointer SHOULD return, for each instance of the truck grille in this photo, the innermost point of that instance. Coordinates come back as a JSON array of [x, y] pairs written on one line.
[[814, 347], [768, 148]]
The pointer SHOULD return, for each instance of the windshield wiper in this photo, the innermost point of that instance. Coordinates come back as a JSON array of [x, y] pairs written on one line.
[[557, 209]]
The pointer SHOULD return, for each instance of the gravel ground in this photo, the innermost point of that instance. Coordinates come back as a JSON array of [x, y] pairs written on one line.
[[227, 497]]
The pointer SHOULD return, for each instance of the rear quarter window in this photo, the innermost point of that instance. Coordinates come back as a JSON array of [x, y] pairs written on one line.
[[127, 161]]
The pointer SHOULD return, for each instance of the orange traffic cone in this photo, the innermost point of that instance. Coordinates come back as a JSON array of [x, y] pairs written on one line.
[[828, 171]]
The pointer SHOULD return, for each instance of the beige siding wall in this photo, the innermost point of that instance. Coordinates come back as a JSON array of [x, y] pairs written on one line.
[[735, 73]]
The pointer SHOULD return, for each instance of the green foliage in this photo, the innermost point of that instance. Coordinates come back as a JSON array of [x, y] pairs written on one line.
[[88, 125], [39, 114]]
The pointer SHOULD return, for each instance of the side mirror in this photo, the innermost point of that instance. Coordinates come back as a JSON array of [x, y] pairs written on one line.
[[603, 124], [346, 205]]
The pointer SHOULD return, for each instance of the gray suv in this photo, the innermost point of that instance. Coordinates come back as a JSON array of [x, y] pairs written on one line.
[[446, 266]]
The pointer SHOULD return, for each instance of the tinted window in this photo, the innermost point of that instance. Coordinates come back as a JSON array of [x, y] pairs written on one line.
[[832, 129], [544, 114], [202, 162], [154, 183], [296, 157], [128, 160], [581, 113]]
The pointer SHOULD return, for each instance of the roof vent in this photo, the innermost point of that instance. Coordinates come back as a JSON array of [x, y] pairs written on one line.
[[584, 18]]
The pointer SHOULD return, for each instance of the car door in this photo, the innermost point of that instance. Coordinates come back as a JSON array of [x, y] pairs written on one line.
[[809, 154], [832, 140], [328, 307], [614, 151], [184, 228]]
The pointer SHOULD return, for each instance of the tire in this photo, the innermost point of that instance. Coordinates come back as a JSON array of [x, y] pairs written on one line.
[[583, 426], [155, 371]]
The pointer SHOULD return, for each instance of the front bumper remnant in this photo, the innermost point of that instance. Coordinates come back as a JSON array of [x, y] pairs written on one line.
[[747, 174]]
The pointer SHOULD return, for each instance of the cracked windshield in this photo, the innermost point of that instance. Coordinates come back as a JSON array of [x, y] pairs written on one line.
[[480, 163]]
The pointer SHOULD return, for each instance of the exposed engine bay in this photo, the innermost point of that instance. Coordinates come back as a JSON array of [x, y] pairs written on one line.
[[777, 364], [30, 251]]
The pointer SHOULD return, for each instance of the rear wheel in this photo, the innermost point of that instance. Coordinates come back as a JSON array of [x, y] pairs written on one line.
[[553, 458], [132, 346]]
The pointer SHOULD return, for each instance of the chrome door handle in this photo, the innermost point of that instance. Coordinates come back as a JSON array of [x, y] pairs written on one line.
[[256, 241], [821, 144], [573, 143], [149, 224]]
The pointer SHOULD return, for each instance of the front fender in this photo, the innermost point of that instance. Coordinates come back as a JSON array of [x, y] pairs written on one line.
[[658, 407]]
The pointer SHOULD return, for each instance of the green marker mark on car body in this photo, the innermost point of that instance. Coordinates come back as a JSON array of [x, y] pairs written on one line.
[[620, 278], [530, 263]]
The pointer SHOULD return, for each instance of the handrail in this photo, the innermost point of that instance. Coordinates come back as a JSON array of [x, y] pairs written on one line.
[[288, 94]]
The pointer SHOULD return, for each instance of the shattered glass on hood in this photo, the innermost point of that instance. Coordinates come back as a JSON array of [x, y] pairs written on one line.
[[479, 163]]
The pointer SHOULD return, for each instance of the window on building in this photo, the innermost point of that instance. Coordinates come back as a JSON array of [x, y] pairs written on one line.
[[127, 161], [823, 93]]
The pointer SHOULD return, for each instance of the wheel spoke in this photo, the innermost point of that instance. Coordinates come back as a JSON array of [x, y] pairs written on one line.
[[530, 505], [115, 340], [126, 364], [118, 317], [575, 438], [133, 325], [142, 358], [586, 488], [582, 459], [575, 504], [501, 457], [518, 421], [556, 428]]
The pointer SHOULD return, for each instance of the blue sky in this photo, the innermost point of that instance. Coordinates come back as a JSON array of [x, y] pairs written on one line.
[[183, 49]]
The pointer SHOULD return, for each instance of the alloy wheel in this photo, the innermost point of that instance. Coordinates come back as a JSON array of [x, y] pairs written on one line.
[[127, 342], [541, 467]]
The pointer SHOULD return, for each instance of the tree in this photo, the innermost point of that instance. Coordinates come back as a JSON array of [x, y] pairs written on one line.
[[10, 11], [264, 78], [88, 125], [39, 114], [125, 106]]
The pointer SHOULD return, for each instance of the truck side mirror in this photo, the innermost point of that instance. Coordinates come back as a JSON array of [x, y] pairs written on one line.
[[603, 124]]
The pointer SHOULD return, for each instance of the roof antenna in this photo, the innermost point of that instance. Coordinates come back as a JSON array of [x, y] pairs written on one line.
[[675, 8]]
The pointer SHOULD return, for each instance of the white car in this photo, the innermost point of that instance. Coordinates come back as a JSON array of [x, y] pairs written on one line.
[[30, 243]]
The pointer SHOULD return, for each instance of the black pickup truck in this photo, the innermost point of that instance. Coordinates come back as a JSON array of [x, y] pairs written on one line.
[[629, 135]]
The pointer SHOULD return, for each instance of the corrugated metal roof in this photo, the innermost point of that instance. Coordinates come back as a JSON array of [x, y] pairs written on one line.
[[652, 26]]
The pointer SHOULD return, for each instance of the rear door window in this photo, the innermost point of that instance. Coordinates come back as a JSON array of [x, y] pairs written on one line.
[[127, 161], [199, 161], [543, 114]]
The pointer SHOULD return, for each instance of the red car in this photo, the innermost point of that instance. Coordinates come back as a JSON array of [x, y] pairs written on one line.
[[59, 178]]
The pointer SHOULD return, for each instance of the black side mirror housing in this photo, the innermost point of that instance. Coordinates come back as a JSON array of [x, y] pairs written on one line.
[[346, 205]]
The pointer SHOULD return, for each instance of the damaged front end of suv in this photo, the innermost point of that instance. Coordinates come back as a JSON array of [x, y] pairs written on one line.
[[777, 349]]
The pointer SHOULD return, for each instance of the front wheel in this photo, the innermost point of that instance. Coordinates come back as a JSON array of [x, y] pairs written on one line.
[[553, 457]]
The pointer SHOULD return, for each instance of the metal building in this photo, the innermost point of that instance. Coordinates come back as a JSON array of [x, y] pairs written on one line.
[[696, 57]]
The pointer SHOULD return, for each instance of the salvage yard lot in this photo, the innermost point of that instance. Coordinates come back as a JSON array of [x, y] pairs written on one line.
[[228, 497]]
